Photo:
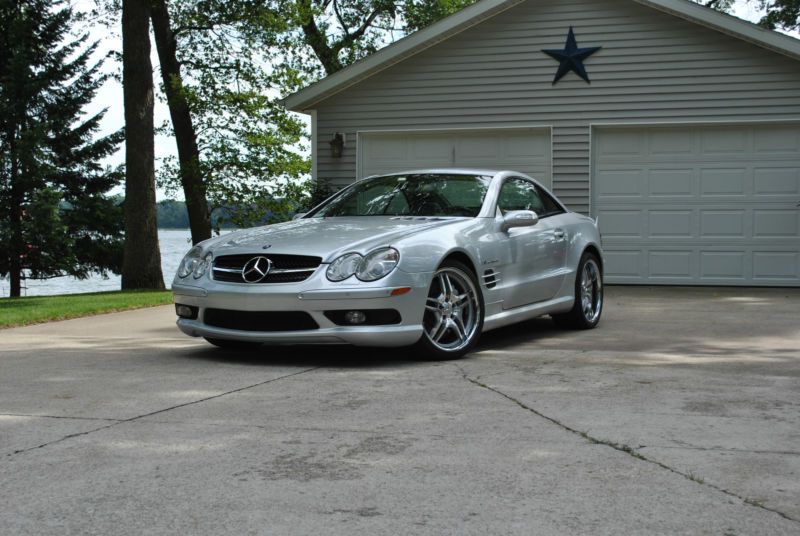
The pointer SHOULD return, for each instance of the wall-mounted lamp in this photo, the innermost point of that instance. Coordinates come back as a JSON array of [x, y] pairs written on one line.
[[337, 145]]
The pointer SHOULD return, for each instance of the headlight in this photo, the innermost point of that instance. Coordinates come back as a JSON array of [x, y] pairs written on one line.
[[190, 262], [202, 266], [377, 264], [344, 267]]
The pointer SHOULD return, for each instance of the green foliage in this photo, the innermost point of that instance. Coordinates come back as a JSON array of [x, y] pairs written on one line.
[[320, 191], [38, 309], [237, 59], [777, 14], [421, 13], [172, 215], [250, 146], [783, 14], [54, 213]]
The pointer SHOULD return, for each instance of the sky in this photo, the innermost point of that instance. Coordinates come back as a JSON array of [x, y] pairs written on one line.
[[110, 96]]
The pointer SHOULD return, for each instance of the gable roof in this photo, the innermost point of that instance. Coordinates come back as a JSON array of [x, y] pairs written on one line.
[[307, 98]]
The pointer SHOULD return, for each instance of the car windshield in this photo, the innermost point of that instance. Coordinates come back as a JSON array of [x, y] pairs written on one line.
[[410, 195]]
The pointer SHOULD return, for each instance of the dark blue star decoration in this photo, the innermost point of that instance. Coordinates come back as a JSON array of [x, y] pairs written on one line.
[[571, 58]]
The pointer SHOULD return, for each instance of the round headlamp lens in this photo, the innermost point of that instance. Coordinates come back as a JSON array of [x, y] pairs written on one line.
[[190, 262], [378, 264], [201, 267], [344, 267]]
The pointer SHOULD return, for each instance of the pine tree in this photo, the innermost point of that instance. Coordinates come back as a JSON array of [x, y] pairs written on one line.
[[55, 217]]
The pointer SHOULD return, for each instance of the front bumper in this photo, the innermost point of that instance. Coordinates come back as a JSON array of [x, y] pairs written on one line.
[[313, 296]]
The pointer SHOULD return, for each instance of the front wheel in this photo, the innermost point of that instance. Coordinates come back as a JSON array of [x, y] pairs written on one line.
[[453, 317], [588, 307]]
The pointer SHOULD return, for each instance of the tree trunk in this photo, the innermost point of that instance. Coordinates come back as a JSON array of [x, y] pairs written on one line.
[[15, 222], [141, 262], [185, 136], [315, 38]]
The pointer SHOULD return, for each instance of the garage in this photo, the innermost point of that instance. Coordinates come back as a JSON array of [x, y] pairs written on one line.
[[699, 204], [674, 124], [525, 150]]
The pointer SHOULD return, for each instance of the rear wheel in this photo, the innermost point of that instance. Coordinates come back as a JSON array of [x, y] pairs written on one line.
[[588, 307], [233, 345], [453, 317]]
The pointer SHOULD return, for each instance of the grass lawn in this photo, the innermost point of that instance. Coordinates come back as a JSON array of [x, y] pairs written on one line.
[[37, 309]]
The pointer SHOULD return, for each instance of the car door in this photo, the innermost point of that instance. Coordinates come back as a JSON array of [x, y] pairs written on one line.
[[536, 255]]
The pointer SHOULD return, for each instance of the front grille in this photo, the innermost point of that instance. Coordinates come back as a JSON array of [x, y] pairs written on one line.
[[285, 268], [260, 320]]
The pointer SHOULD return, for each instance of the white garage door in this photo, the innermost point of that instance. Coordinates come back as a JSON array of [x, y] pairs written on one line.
[[525, 150], [699, 205]]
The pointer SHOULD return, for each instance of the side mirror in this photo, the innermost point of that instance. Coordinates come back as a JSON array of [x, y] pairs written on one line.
[[299, 215], [519, 218]]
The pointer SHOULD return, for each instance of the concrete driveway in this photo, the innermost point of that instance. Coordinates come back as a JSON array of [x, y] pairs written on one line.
[[680, 414]]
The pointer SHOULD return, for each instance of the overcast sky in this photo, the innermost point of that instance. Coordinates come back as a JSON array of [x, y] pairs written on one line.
[[110, 96]]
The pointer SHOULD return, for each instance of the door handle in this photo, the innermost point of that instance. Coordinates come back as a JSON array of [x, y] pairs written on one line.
[[559, 233]]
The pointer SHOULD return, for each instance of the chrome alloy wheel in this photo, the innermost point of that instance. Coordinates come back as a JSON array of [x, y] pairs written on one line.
[[591, 291], [452, 310]]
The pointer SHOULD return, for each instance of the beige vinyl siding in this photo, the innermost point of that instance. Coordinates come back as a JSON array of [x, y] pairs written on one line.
[[653, 68]]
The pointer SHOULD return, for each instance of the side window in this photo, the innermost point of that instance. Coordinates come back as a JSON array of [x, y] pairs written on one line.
[[551, 208], [519, 194]]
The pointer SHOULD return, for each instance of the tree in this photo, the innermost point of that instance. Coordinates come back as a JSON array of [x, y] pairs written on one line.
[[777, 14], [141, 263], [781, 14], [190, 173], [229, 62], [250, 147], [55, 218]]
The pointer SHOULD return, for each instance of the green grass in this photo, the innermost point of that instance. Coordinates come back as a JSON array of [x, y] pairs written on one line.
[[34, 310]]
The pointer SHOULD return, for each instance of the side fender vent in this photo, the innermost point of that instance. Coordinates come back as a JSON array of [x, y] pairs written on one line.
[[491, 278]]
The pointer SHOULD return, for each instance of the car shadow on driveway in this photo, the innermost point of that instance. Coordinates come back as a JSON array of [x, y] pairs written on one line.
[[333, 356]]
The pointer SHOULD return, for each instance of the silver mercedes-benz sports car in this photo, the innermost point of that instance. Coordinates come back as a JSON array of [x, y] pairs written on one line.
[[429, 258]]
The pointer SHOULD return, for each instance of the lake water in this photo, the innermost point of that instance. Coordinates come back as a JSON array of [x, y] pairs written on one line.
[[174, 244]]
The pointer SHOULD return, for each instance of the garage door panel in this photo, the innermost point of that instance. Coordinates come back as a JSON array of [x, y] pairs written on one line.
[[779, 139], [700, 205], [433, 148], [624, 144], [722, 223], [616, 183], [723, 141], [624, 265], [777, 181], [670, 223], [729, 265], [776, 223], [671, 143], [525, 150], [621, 223], [723, 182], [671, 182], [670, 264], [775, 265]]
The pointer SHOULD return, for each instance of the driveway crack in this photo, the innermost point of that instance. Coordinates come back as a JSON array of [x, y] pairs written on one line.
[[163, 410], [630, 451]]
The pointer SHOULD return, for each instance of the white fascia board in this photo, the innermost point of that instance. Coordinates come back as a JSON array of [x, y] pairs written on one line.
[[415, 43], [728, 24]]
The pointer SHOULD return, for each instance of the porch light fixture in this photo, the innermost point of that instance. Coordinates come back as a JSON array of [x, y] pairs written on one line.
[[337, 145]]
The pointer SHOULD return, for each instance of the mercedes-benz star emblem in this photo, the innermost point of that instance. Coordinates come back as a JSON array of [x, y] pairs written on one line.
[[256, 269]]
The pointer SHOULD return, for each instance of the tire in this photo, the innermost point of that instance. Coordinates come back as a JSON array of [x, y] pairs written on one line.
[[233, 345], [453, 317], [588, 306]]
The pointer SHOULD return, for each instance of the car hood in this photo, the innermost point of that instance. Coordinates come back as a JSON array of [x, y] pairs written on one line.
[[325, 237]]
